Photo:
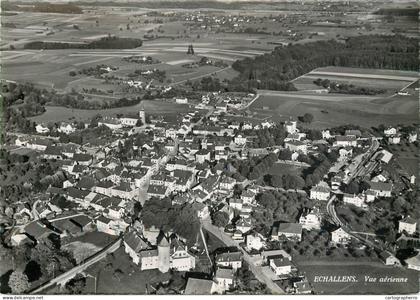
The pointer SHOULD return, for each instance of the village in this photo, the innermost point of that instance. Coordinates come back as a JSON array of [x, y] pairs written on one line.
[[209, 163]]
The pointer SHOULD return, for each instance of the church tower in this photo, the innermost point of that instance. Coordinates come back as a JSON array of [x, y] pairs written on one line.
[[164, 255], [142, 115]]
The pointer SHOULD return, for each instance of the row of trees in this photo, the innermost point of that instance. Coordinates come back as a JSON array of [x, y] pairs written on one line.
[[344, 88]]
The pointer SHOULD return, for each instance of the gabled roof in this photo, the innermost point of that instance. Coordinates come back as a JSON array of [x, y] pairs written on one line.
[[135, 242], [229, 257], [409, 220]]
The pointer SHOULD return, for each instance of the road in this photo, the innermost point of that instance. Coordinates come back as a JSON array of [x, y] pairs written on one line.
[[63, 278], [256, 270]]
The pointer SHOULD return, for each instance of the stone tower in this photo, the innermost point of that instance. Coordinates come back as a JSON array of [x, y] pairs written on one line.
[[142, 115], [164, 254]]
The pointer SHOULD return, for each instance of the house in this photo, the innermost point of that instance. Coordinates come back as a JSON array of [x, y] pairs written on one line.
[[345, 153], [181, 259], [159, 191], [104, 224], [290, 126], [354, 200], [229, 260], [227, 184], [37, 231], [339, 236], [248, 197], [394, 140], [281, 265], [224, 278], [389, 259], [255, 241], [408, 225], [412, 137], [196, 286], [381, 189], [353, 132], [202, 155], [320, 192], [240, 140], [236, 203], [244, 225], [296, 146], [311, 220], [272, 254], [41, 128], [289, 230], [390, 131], [149, 259], [345, 141], [128, 122], [66, 128], [38, 144], [413, 262], [181, 100], [326, 134], [82, 159]]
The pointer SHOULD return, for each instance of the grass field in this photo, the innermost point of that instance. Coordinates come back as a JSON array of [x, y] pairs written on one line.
[[359, 270], [283, 169], [335, 109], [58, 113]]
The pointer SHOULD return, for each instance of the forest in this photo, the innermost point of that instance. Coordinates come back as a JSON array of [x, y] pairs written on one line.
[[274, 71], [110, 42]]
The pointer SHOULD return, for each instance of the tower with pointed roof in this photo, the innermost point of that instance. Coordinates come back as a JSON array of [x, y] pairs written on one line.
[[164, 255]]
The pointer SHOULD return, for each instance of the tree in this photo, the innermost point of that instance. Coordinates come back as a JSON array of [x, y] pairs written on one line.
[[220, 219], [352, 188], [18, 282], [307, 118]]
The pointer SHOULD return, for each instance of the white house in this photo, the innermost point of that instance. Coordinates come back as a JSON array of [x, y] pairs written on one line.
[[290, 126], [224, 279], [281, 266], [408, 225], [320, 192], [66, 128], [395, 139], [390, 131], [381, 189], [41, 128], [339, 236], [229, 260], [345, 141], [133, 244], [181, 100], [296, 146], [354, 200], [255, 241], [310, 221]]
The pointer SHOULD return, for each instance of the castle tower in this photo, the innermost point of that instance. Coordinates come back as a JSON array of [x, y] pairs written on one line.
[[142, 115], [164, 255]]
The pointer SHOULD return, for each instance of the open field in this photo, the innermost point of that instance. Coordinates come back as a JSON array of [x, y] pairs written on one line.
[[337, 109], [389, 80], [58, 113], [283, 169], [359, 270]]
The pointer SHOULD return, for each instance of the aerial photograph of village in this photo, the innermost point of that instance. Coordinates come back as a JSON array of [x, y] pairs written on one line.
[[209, 147]]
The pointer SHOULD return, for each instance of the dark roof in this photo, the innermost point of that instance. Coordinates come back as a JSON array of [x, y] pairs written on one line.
[[294, 228], [196, 286], [134, 241], [36, 229], [229, 256]]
